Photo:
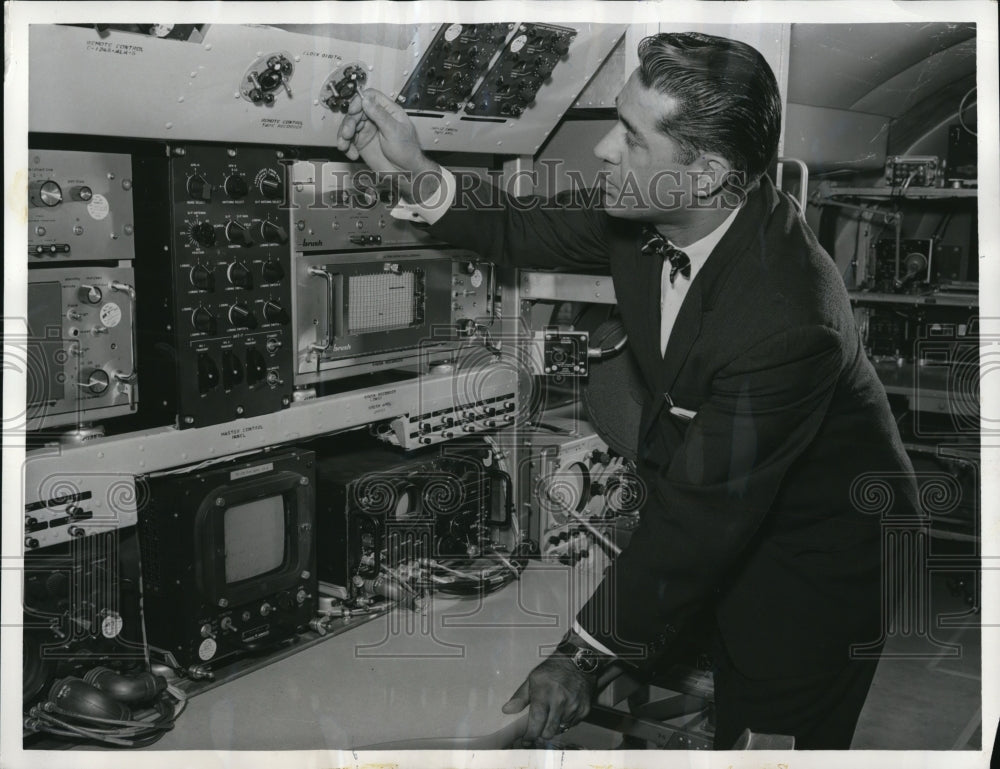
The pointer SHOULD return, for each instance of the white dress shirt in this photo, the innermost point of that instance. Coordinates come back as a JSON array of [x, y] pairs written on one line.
[[672, 294]]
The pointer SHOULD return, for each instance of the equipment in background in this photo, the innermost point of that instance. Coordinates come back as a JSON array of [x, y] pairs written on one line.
[[581, 493], [347, 207], [963, 156], [218, 331], [81, 345], [356, 313], [228, 558], [453, 63], [914, 171], [915, 259], [488, 412], [391, 527], [524, 65], [80, 207], [81, 609]]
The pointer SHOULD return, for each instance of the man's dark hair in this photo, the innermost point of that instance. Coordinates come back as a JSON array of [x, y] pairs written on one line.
[[727, 98]]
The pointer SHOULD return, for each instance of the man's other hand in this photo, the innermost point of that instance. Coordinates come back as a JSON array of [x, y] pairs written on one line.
[[559, 695]]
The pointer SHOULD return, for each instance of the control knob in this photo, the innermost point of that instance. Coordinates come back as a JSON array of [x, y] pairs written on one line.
[[198, 188], [237, 234], [269, 184], [275, 313], [97, 382], [82, 193], [202, 278], [270, 232], [89, 294], [241, 316], [272, 271], [50, 194], [236, 186], [256, 366], [203, 320], [239, 275], [203, 233]]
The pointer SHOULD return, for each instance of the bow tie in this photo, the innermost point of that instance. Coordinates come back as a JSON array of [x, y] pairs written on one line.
[[655, 243]]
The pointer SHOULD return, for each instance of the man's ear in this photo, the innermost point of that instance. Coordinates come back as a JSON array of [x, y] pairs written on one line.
[[712, 172]]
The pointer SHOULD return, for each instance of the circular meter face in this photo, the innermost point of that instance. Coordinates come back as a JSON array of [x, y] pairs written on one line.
[[476, 279], [111, 315]]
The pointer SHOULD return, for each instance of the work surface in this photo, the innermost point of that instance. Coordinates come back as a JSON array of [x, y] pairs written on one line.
[[402, 676]]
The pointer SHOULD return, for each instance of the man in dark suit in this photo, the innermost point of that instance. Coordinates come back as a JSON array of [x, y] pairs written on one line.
[[761, 414]]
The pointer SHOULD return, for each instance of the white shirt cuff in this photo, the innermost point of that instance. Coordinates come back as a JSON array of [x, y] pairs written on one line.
[[591, 641], [433, 209]]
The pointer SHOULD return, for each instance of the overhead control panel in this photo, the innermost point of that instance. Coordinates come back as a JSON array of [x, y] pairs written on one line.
[[79, 207], [525, 65], [455, 61], [497, 88], [224, 310]]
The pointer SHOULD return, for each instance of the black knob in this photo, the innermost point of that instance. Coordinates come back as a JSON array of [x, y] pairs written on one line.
[[239, 275], [203, 320], [203, 233], [271, 232], [232, 370], [202, 278], [236, 186], [256, 366], [208, 373], [198, 188], [275, 313], [269, 184], [560, 46], [89, 294], [272, 271], [242, 316], [237, 234]]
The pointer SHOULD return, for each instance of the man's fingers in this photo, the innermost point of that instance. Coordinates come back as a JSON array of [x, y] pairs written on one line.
[[537, 717], [518, 701], [378, 107], [554, 722]]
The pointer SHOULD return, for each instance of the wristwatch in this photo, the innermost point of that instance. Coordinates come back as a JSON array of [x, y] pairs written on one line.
[[585, 659]]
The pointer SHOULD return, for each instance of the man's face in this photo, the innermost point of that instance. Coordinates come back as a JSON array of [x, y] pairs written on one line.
[[642, 176]]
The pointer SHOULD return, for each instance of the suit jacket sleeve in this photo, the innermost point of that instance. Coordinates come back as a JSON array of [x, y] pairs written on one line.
[[704, 507], [525, 231]]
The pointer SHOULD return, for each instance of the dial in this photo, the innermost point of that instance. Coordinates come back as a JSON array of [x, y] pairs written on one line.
[[239, 275], [83, 193], [208, 373], [203, 233], [275, 313], [270, 232], [202, 278], [50, 193], [476, 279], [236, 186], [97, 382], [237, 234], [241, 316], [198, 188], [203, 320], [268, 182], [89, 294], [272, 271]]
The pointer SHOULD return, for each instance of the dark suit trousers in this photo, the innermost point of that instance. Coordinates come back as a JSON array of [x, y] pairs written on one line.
[[820, 710]]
